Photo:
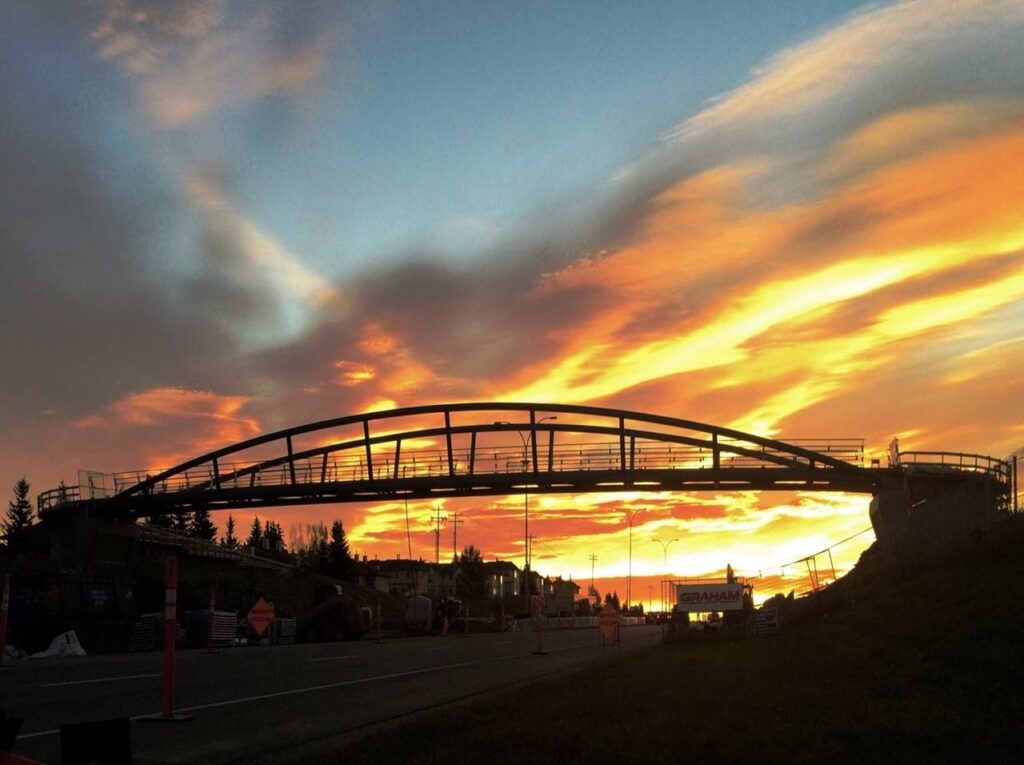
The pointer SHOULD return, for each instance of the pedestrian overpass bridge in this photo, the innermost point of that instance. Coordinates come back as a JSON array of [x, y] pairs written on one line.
[[499, 448]]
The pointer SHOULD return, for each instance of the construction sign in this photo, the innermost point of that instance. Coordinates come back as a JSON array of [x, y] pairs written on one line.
[[260, 616], [608, 622]]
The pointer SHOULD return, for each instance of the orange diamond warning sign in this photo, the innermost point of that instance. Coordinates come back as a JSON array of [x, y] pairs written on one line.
[[260, 616]]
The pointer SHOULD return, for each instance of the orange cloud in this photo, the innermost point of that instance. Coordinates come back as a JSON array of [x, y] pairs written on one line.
[[924, 217], [190, 422]]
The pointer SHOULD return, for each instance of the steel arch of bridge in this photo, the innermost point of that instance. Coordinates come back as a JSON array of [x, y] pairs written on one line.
[[633, 451]]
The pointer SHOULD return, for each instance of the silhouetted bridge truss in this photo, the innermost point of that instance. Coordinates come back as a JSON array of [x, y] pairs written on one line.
[[479, 449]]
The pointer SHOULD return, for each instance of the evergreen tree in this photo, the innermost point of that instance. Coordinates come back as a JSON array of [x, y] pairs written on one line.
[[255, 534], [202, 526], [273, 537], [230, 541], [19, 512], [338, 555], [472, 577]]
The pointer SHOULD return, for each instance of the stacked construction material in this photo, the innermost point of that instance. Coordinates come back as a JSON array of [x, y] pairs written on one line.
[[285, 631], [147, 633], [225, 623]]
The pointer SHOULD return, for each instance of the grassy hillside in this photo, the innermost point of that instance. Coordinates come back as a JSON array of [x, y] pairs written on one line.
[[929, 667]]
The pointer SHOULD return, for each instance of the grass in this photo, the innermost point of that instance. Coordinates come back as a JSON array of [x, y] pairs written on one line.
[[930, 668]]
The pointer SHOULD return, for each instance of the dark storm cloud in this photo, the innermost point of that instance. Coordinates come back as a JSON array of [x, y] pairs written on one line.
[[467, 322]]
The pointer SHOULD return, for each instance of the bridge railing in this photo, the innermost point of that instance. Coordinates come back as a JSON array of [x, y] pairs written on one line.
[[62, 495], [996, 468], [431, 442], [430, 463]]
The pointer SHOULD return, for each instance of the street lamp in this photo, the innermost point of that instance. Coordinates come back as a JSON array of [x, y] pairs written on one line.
[[630, 516], [527, 440], [664, 550]]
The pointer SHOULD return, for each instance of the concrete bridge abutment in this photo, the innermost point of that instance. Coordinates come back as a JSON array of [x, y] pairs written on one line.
[[928, 522]]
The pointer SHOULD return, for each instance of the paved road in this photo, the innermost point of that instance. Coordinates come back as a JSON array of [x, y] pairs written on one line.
[[253, 702]]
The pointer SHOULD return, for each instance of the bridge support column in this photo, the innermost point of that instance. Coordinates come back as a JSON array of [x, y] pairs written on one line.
[[889, 512]]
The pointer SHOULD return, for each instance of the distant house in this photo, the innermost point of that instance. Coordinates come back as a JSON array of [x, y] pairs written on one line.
[[406, 576], [536, 583], [368, 575], [560, 596], [441, 580], [503, 578]]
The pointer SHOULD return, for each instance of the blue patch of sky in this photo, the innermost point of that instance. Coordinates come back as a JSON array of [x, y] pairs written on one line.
[[494, 113], [83, 109], [446, 125]]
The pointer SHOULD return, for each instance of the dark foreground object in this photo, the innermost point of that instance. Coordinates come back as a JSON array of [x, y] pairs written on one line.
[[104, 742], [927, 668]]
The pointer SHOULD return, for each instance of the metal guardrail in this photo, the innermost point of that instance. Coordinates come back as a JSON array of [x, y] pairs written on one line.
[[961, 462]]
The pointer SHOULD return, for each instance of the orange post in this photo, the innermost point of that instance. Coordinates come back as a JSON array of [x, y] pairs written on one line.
[[170, 633], [167, 714], [4, 604]]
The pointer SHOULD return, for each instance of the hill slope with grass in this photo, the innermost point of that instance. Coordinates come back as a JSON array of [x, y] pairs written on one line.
[[928, 665]]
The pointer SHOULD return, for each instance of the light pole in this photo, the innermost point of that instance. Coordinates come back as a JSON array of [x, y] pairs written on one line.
[[630, 516], [664, 550], [527, 440]]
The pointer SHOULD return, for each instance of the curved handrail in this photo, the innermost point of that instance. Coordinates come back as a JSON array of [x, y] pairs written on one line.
[[965, 462], [716, 432]]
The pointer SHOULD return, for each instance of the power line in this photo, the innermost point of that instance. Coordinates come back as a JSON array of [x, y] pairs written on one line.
[[456, 521], [437, 519], [827, 549]]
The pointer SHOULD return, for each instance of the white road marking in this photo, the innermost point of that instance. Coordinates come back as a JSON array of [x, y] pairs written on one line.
[[334, 658], [327, 686], [98, 680]]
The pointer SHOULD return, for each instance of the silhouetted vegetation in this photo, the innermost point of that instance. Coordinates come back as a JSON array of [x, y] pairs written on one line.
[[471, 581], [325, 552], [201, 525], [18, 519], [255, 534], [230, 541]]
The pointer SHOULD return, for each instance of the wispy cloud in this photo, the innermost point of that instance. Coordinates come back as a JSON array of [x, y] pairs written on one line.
[[260, 257], [195, 57]]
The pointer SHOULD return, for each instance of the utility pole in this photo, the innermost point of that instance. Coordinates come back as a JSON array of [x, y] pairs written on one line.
[[408, 532], [630, 517], [456, 522], [527, 443], [664, 550], [593, 559], [437, 520]]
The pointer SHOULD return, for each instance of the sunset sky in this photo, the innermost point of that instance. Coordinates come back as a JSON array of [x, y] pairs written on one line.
[[796, 219]]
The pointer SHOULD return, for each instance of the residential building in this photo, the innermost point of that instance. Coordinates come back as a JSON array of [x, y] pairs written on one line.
[[503, 578], [560, 596], [407, 576]]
